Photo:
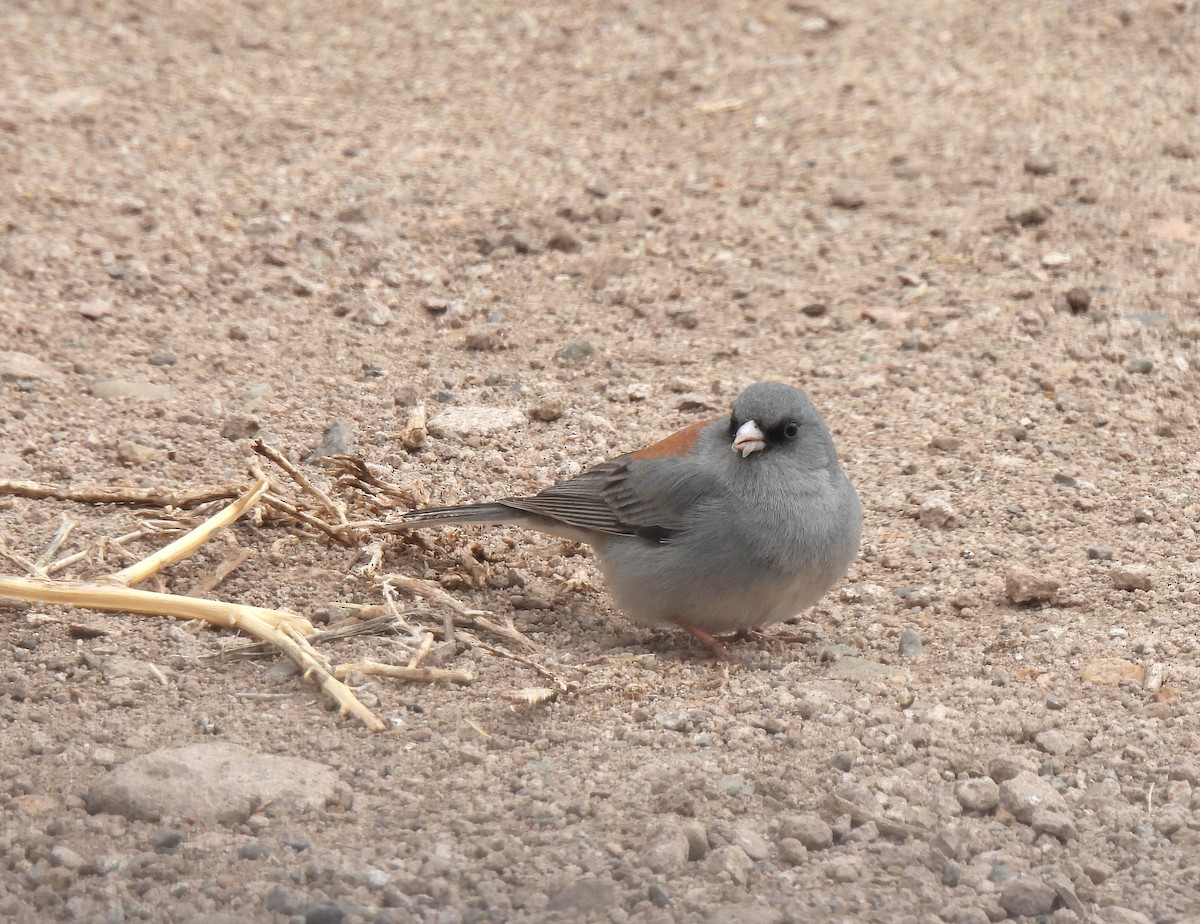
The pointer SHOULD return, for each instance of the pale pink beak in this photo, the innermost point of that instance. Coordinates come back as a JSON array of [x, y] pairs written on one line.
[[749, 438]]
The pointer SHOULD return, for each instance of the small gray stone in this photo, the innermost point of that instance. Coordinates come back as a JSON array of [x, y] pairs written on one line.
[[283, 900], [1030, 216], [980, 795], [809, 828], [697, 838], [751, 841], [1131, 577], [847, 197], [911, 645], [1079, 300], [587, 895], [1024, 586], [575, 352], [475, 420], [1025, 793], [335, 441], [66, 858], [792, 852], [1099, 553], [1027, 895], [1117, 914], [1054, 741], [1140, 365], [21, 367], [1047, 820], [118, 389], [325, 913], [564, 241], [668, 850], [1040, 165], [853, 668], [215, 782], [240, 427], [730, 861]]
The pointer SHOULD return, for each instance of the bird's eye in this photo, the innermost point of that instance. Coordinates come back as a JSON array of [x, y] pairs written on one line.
[[790, 429]]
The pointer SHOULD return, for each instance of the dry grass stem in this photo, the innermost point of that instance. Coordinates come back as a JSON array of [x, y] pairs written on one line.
[[186, 544], [407, 674], [146, 498], [338, 510]]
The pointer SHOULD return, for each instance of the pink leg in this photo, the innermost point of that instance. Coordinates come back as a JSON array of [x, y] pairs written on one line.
[[715, 645]]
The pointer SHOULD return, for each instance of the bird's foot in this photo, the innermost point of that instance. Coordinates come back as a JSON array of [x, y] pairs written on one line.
[[755, 635], [713, 643]]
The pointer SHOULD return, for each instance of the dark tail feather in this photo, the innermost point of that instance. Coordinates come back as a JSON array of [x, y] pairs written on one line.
[[468, 513]]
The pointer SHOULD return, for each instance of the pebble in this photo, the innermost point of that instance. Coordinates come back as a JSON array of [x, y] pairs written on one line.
[[118, 389], [1047, 820], [130, 452], [66, 858], [564, 242], [163, 359], [980, 795], [489, 338], [240, 427], [730, 861], [1079, 299], [936, 513], [1112, 671], [847, 869], [1024, 586], [1030, 216], [946, 443], [911, 645], [1099, 553], [792, 852], [576, 351], [1040, 165], [588, 895], [658, 896], [214, 782], [809, 828], [843, 761], [1140, 365], [546, 408], [752, 842], [852, 668], [1056, 741], [697, 838], [475, 420], [1055, 259], [284, 900], [1026, 792], [1131, 577], [847, 197], [668, 850], [1028, 896], [95, 309], [335, 441], [325, 913]]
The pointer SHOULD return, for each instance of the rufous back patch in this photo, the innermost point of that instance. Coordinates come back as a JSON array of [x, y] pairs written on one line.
[[677, 444]]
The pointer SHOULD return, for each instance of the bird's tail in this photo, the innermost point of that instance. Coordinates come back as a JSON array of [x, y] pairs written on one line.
[[467, 513]]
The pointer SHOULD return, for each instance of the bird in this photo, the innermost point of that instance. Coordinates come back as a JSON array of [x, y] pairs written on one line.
[[721, 529]]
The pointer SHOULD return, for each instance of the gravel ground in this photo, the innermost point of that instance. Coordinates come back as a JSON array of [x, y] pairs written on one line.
[[969, 230]]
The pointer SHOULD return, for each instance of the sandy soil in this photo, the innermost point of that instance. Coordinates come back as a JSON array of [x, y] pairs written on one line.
[[969, 230]]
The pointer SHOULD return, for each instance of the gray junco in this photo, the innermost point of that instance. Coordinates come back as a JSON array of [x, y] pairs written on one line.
[[727, 526]]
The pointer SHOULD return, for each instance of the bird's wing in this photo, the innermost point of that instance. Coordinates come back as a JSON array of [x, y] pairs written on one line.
[[626, 497]]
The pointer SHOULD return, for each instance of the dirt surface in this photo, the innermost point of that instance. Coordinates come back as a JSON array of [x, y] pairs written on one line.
[[971, 234]]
